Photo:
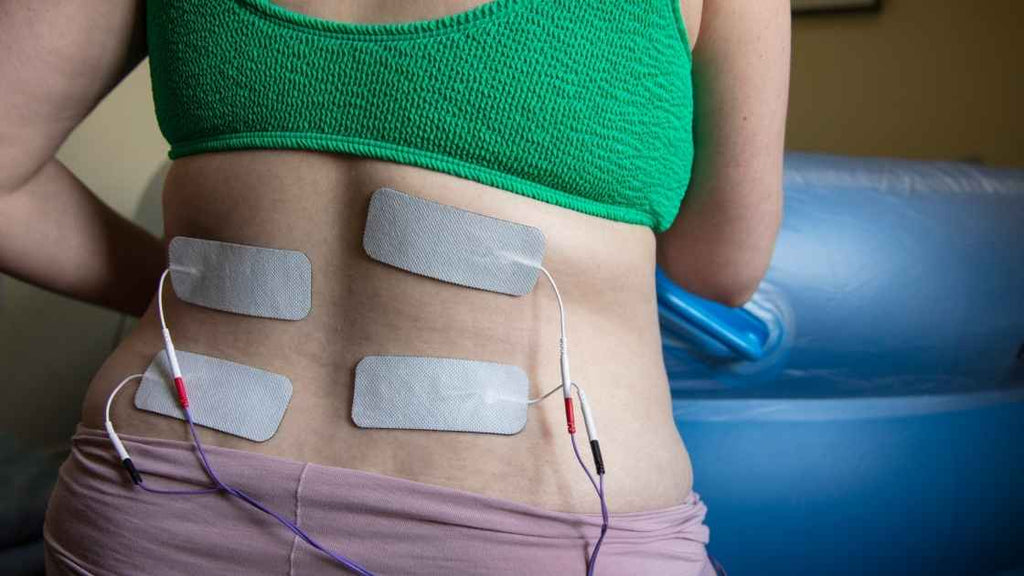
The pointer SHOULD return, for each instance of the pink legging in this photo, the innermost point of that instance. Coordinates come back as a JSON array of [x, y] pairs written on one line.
[[99, 523]]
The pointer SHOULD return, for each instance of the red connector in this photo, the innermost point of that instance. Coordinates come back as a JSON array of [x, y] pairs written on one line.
[[570, 416], [179, 383]]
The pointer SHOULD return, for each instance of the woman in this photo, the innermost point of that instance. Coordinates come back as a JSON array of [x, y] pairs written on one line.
[[572, 117]]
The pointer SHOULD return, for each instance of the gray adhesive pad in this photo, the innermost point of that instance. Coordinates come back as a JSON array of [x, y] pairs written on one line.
[[419, 393], [451, 244], [263, 282], [233, 398]]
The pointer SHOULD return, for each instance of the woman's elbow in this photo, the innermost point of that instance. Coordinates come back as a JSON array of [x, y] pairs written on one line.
[[731, 284], [720, 262], [733, 292]]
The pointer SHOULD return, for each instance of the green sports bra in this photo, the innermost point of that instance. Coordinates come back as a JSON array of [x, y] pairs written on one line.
[[586, 104]]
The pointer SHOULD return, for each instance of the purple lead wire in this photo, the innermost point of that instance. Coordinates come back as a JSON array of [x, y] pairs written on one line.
[[213, 490], [592, 562], [340, 559], [221, 486]]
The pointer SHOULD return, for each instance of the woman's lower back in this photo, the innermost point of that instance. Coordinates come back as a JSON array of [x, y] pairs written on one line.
[[316, 203]]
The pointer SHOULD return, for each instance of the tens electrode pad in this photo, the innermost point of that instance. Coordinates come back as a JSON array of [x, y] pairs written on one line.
[[233, 398], [263, 282], [451, 244], [419, 393]]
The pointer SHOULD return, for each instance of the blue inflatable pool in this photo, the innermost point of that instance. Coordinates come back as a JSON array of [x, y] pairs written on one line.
[[864, 413]]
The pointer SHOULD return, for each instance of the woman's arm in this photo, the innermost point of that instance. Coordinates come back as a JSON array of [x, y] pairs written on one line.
[[58, 59], [720, 245]]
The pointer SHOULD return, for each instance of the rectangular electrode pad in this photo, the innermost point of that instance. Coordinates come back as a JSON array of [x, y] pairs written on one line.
[[263, 282], [451, 244], [233, 398], [419, 393]]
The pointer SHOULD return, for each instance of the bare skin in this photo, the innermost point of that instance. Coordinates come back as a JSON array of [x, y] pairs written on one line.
[[361, 307], [316, 203]]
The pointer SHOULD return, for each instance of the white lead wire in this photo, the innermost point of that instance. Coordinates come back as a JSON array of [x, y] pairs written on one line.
[[546, 394], [122, 453], [110, 399], [563, 343], [558, 296], [160, 298]]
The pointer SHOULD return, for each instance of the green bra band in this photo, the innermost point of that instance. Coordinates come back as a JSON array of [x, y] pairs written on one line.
[[585, 105]]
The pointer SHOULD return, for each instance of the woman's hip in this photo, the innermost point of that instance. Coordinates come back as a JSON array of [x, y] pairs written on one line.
[[98, 522]]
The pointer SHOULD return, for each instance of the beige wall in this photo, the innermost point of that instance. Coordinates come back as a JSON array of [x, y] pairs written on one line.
[[118, 148], [921, 79]]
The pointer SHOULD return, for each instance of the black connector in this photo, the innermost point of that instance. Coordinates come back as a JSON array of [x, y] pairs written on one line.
[[136, 477], [595, 449]]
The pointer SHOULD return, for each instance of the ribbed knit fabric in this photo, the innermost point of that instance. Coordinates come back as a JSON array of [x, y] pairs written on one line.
[[586, 104]]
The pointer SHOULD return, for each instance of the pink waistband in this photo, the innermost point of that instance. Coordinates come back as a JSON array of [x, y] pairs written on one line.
[[390, 525]]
